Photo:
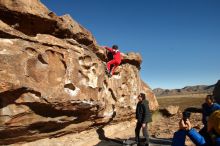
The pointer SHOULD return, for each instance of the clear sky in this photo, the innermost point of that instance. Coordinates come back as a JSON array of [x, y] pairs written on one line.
[[179, 39]]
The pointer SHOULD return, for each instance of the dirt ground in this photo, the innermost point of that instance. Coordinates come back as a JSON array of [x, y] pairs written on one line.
[[161, 130], [164, 127], [183, 101]]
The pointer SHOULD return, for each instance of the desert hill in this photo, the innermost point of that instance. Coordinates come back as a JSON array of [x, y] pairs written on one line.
[[198, 89]]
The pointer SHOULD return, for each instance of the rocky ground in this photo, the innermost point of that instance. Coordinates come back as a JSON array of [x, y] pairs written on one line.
[[161, 129], [165, 127]]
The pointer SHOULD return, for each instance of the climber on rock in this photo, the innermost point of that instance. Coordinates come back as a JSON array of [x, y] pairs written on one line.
[[115, 61]]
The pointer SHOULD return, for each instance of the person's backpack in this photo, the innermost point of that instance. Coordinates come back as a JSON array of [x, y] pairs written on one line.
[[109, 56]]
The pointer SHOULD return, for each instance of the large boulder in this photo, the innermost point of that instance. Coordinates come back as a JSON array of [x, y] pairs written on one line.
[[33, 7], [170, 110], [32, 17], [53, 79]]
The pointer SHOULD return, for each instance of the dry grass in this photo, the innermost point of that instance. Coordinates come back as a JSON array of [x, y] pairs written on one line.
[[183, 101]]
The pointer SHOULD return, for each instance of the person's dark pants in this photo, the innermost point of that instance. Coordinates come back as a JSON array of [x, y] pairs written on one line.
[[144, 130]]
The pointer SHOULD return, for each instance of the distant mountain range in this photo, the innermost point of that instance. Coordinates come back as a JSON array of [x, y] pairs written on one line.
[[198, 89]]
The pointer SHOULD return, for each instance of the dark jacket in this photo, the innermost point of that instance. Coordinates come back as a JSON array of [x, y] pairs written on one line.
[[198, 140], [207, 111], [143, 113]]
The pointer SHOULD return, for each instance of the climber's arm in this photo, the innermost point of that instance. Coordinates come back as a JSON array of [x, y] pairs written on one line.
[[109, 49]]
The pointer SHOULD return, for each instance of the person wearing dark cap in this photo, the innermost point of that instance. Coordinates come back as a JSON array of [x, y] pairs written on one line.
[[116, 61], [207, 109], [143, 116]]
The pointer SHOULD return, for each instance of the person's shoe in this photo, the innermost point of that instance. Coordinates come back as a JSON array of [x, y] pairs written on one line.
[[109, 75], [144, 139], [108, 72], [137, 139]]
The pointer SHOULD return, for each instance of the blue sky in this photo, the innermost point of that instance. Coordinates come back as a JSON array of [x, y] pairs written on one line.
[[179, 39]]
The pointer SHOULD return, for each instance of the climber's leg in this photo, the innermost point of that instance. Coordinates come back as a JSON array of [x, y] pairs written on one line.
[[112, 62], [114, 67]]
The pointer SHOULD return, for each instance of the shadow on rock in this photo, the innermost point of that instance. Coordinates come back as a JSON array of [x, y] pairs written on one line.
[[193, 110], [105, 140]]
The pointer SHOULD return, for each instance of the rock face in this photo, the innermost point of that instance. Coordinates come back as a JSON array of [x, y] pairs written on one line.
[[53, 79], [216, 92]]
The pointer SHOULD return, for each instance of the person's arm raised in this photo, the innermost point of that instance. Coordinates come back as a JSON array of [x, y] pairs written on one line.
[[109, 49]]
